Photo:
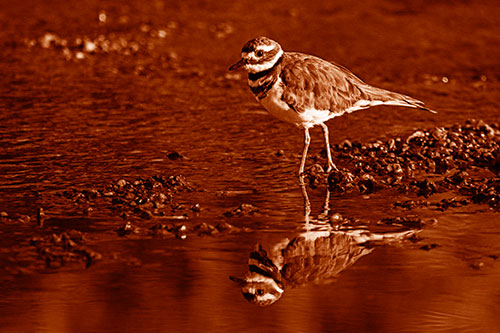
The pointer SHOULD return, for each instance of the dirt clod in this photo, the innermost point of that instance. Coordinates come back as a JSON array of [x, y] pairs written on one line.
[[59, 249], [426, 162], [242, 210]]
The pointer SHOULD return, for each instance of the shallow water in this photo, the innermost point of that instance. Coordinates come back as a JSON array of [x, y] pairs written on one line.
[[161, 86]]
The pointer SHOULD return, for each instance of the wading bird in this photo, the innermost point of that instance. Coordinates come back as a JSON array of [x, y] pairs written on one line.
[[306, 90]]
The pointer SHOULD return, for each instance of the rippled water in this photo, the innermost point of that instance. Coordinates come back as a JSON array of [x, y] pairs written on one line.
[[74, 117]]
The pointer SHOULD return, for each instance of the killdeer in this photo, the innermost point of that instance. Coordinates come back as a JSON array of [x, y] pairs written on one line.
[[310, 257], [306, 90]]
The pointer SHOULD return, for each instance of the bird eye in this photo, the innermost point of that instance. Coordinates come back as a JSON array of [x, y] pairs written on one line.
[[260, 292], [259, 53]]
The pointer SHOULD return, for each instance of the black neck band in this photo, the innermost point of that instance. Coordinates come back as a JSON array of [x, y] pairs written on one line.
[[256, 76]]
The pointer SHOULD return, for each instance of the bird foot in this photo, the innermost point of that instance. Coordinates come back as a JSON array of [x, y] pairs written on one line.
[[331, 167], [301, 179]]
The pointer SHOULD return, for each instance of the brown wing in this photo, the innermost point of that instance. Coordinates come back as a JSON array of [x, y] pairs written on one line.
[[320, 260], [311, 82]]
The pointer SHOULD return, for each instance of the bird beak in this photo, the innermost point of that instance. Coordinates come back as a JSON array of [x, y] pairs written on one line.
[[238, 65], [240, 282]]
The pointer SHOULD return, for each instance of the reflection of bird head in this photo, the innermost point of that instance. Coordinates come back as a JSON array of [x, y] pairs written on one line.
[[263, 284], [259, 289]]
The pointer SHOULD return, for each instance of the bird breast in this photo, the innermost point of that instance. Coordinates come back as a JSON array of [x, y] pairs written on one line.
[[277, 107]]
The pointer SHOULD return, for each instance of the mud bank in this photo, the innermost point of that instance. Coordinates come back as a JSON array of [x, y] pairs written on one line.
[[463, 160]]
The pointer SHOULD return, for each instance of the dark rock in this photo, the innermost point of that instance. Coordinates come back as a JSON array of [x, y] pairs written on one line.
[[24, 219], [453, 202], [340, 180], [410, 204], [205, 229], [315, 175], [57, 250], [242, 210], [346, 145], [415, 223], [126, 229], [144, 198], [424, 187], [196, 208], [457, 178], [175, 156], [162, 230], [180, 231], [226, 227], [367, 184], [429, 247]]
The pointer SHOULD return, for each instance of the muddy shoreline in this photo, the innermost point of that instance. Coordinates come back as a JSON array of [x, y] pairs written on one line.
[[460, 162]]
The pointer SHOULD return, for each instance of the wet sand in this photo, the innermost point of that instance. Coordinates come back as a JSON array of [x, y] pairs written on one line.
[[137, 175]]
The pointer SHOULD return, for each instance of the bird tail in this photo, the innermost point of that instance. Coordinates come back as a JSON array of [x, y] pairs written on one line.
[[376, 96], [392, 98]]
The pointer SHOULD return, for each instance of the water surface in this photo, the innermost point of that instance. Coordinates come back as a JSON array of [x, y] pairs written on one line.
[[72, 116]]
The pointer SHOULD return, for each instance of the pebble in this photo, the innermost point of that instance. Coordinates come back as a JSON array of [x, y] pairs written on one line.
[[242, 210], [404, 164], [141, 198], [59, 249]]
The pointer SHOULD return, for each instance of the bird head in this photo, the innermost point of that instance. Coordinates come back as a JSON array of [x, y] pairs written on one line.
[[258, 55]]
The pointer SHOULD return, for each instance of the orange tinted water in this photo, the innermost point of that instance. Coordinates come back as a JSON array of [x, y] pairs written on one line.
[[162, 87]]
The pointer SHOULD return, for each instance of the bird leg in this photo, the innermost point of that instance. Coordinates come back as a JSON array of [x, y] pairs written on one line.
[[307, 204], [307, 140], [331, 166], [326, 206]]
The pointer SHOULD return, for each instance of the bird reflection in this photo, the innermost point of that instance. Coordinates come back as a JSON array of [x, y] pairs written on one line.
[[318, 254]]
